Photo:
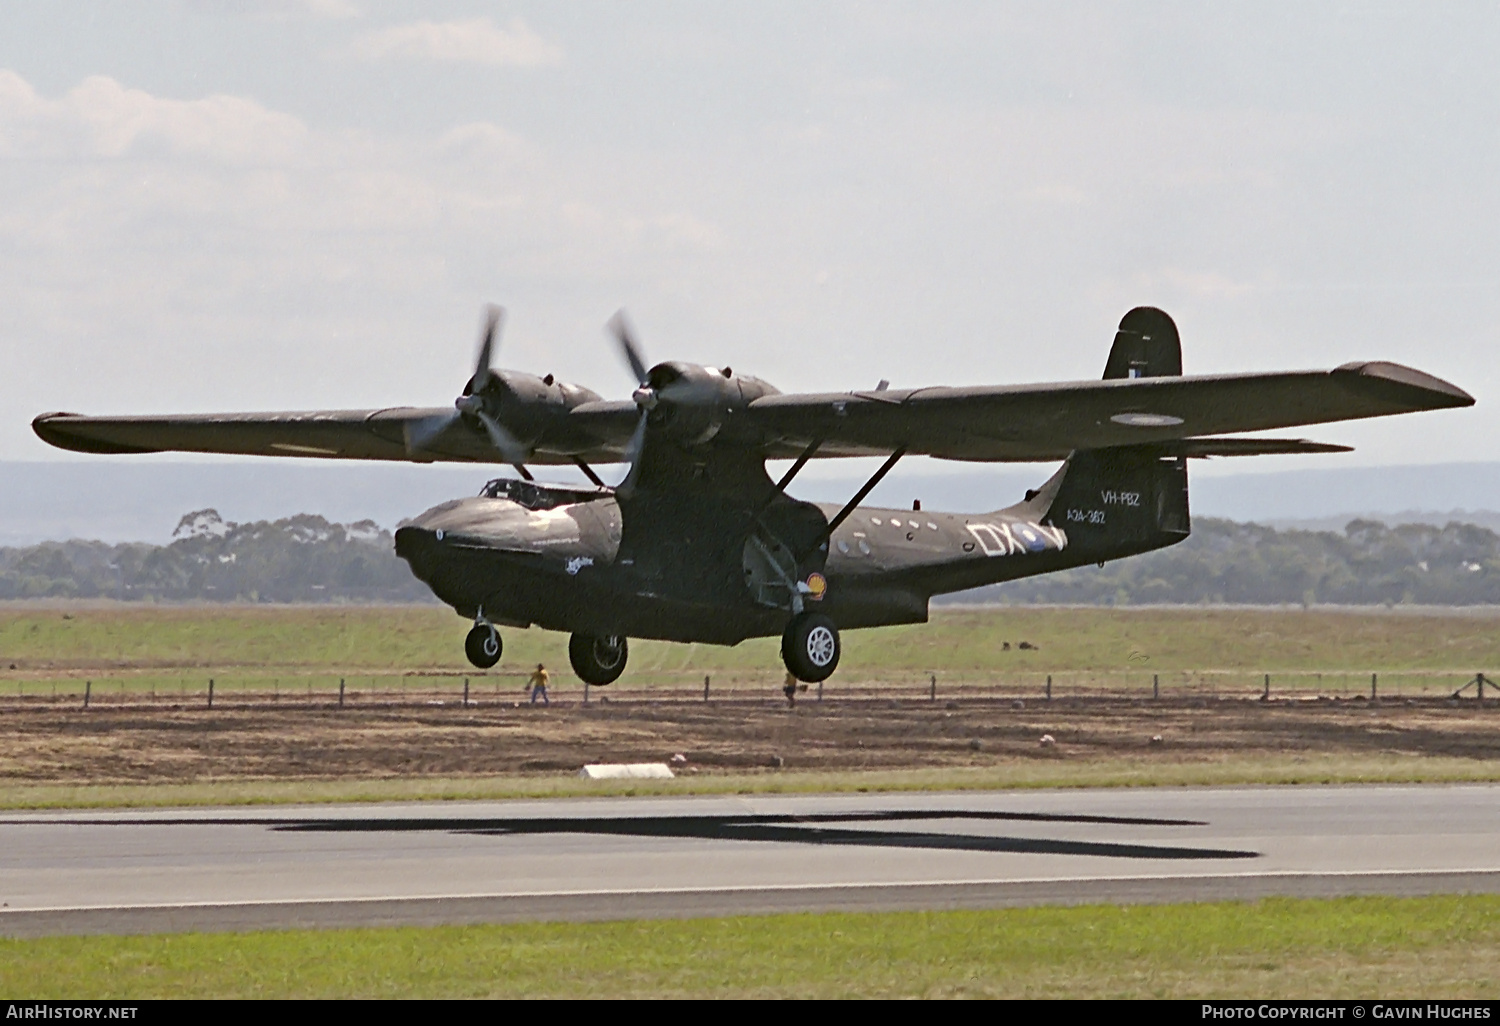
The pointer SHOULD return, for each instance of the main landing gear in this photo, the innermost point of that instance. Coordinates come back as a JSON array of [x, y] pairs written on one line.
[[810, 647], [598, 661]]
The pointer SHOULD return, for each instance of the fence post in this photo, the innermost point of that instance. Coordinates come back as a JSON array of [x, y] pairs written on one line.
[[1049, 687], [585, 692], [210, 692], [1372, 687], [88, 686], [341, 691], [1265, 695], [1156, 685], [820, 691], [466, 693], [932, 693], [705, 687]]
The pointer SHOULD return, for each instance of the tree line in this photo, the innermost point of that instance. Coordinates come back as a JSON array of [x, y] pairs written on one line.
[[1224, 562], [306, 558]]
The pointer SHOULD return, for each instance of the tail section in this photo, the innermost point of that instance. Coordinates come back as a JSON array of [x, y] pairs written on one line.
[[1117, 502]]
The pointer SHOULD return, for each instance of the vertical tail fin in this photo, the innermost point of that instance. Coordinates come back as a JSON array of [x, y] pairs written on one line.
[[1133, 498], [1146, 346]]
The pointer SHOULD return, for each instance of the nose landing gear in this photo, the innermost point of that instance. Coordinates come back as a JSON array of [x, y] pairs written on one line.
[[598, 661], [810, 647], [483, 645]]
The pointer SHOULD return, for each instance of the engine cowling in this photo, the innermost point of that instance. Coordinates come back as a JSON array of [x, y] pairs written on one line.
[[691, 404]]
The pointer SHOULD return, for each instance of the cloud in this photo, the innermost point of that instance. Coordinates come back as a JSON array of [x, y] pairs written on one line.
[[477, 41], [173, 243], [100, 118], [481, 140]]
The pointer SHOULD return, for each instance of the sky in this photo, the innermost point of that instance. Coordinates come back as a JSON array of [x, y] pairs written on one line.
[[221, 205]]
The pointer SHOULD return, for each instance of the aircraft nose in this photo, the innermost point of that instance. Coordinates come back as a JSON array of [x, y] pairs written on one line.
[[411, 542]]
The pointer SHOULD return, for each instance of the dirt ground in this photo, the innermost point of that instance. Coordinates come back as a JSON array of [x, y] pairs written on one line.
[[162, 742]]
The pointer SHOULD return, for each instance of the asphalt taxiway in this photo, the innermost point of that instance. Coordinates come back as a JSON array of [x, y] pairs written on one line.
[[450, 862]]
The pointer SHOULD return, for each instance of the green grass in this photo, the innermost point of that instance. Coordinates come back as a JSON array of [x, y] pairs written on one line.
[[1341, 948], [1142, 772], [403, 638]]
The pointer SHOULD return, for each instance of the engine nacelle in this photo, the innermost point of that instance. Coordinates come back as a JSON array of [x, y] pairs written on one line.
[[691, 404], [526, 404]]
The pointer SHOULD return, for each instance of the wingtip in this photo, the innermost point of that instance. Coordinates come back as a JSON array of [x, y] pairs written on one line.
[[52, 429], [1437, 393]]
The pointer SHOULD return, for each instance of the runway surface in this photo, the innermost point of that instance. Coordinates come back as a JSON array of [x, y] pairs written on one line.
[[450, 862]]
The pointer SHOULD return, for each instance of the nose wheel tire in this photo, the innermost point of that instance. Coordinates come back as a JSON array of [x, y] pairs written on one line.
[[598, 660], [810, 647], [483, 646]]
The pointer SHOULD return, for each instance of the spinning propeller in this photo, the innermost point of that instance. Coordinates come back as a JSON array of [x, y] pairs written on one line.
[[481, 397], [683, 402], [646, 397]]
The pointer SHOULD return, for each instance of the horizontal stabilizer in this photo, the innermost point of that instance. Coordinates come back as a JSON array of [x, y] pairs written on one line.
[[1199, 448]]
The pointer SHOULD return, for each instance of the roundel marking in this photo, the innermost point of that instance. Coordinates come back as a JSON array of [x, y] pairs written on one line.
[[1146, 419]]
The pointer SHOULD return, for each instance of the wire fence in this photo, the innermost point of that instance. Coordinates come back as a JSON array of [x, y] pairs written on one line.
[[441, 688]]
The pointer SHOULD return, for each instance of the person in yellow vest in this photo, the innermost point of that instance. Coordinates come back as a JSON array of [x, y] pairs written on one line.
[[789, 689], [539, 685]]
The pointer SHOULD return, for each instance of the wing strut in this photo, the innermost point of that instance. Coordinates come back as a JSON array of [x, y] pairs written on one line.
[[807, 454], [852, 504], [588, 472]]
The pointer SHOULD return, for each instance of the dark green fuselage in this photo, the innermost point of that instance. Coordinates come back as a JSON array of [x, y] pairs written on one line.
[[721, 565]]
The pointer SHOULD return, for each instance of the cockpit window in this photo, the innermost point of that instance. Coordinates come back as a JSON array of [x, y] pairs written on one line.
[[535, 496]]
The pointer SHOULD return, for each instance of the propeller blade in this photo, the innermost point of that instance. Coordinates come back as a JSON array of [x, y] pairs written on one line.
[[419, 434], [494, 316], [633, 451], [620, 328], [508, 445]]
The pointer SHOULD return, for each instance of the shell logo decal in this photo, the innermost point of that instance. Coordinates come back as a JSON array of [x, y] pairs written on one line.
[[817, 586]]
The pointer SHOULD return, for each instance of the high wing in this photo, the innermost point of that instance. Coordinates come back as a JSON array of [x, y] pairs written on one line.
[[1021, 423], [386, 434], [1032, 423]]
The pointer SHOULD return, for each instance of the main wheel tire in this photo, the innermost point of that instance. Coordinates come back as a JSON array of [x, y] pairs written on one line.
[[598, 661], [483, 646], [810, 647]]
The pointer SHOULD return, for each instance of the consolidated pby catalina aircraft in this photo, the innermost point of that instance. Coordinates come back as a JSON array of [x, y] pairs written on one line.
[[698, 544]]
